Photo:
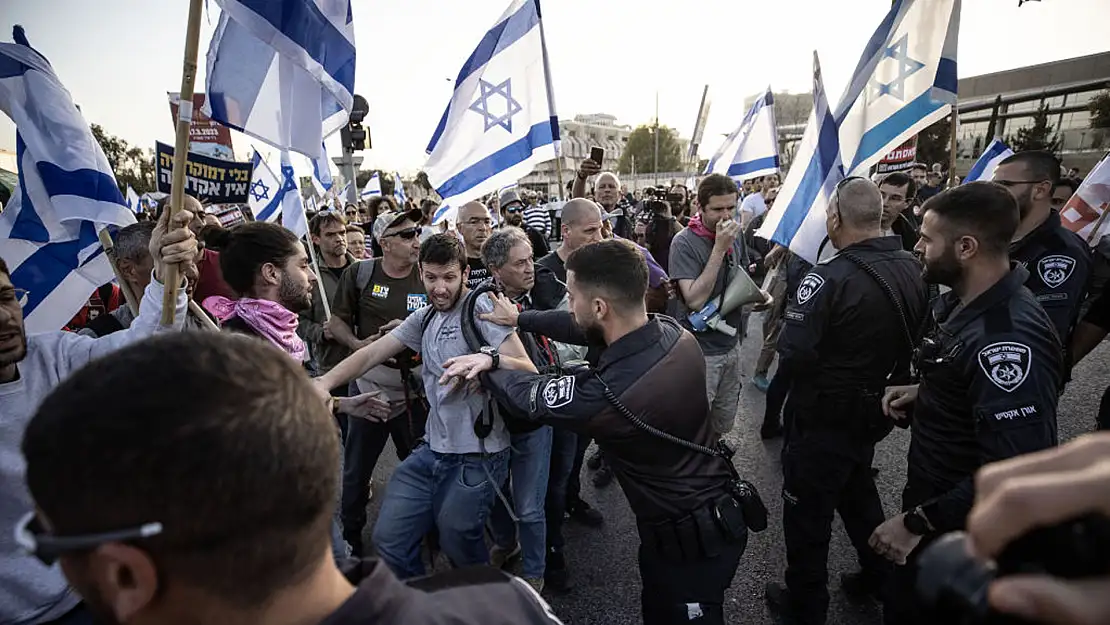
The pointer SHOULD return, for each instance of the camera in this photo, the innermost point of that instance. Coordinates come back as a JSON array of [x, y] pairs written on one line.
[[953, 585]]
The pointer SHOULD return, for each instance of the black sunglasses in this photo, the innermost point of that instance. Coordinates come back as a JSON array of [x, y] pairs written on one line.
[[32, 537], [515, 209], [407, 234]]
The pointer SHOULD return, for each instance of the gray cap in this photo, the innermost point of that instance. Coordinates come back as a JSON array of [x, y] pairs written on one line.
[[385, 221]]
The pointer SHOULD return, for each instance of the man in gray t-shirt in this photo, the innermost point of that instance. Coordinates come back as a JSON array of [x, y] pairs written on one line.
[[704, 257], [448, 483]]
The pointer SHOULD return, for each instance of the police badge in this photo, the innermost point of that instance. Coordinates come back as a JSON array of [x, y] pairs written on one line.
[[809, 287], [1056, 269], [559, 392], [1006, 364]]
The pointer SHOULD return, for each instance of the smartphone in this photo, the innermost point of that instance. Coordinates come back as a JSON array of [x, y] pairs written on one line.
[[597, 154]]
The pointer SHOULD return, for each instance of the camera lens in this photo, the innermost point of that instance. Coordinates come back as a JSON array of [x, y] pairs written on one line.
[[951, 583]]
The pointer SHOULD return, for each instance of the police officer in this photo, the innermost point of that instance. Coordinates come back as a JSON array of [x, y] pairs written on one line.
[[844, 336], [691, 529], [1058, 260], [989, 366]]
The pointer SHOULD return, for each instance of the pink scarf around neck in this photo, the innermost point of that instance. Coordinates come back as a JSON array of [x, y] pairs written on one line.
[[271, 320]]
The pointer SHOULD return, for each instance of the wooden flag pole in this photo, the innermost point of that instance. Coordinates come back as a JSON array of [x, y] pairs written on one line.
[[181, 149], [1098, 225], [202, 317]]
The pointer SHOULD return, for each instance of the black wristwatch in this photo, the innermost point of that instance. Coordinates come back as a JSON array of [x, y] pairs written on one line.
[[492, 353], [916, 523]]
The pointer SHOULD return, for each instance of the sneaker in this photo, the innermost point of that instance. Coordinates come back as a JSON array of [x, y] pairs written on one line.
[[556, 575], [585, 514], [593, 463], [536, 583], [603, 477], [770, 430], [500, 556], [761, 382], [860, 588]]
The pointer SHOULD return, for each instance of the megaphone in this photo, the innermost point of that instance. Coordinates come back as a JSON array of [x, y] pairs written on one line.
[[740, 292]]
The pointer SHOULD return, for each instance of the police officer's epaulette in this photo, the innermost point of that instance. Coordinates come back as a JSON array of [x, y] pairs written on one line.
[[457, 578]]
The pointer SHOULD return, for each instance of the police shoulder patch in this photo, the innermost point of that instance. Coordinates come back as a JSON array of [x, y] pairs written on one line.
[[1006, 364], [809, 287], [559, 392], [1056, 269]]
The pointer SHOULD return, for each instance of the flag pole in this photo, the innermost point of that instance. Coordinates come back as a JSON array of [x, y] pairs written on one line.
[[181, 149], [1098, 225], [952, 155]]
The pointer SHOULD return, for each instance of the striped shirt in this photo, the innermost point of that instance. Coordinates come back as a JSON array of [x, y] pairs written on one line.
[[537, 218]]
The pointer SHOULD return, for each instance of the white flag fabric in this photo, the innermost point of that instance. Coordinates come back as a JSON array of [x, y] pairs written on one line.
[[797, 220], [283, 71], [321, 173], [66, 193], [752, 150], [373, 186], [1083, 212], [905, 81], [501, 120], [983, 169], [133, 201], [399, 190], [265, 191], [292, 208]]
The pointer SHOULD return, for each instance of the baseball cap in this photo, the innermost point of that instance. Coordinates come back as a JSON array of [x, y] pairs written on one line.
[[385, 221]]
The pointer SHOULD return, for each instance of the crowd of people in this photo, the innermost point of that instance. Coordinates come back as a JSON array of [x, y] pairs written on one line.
[[205, 477]]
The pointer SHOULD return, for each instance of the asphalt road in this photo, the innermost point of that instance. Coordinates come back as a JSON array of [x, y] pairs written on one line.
[[603, 560]]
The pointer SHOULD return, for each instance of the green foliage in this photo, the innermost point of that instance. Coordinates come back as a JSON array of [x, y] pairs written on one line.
[[641, 146], [934, 144], [1100, 110], [1038, 136], [132, 165]]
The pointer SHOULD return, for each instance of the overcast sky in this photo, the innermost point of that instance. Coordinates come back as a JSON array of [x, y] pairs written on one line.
[[119, 57]]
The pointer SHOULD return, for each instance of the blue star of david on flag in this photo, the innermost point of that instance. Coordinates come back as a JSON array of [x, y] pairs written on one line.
[[906, 68], [481, 105], [259, 190]]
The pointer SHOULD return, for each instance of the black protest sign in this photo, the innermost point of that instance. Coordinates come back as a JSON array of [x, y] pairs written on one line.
[[208, 179]]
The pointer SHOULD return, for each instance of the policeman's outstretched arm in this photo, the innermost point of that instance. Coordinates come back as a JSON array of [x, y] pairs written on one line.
[[556, 325], [550, 399]]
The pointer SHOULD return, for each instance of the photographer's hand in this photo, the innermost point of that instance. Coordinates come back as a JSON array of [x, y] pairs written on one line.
[[1040, 490]]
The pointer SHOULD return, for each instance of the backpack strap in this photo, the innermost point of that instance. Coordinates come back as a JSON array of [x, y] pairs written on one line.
[[364, 273]]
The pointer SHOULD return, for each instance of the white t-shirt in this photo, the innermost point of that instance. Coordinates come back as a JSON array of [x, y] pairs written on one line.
[[754, 205]]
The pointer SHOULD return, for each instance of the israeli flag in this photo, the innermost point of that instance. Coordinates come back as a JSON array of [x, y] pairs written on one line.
[[133, 201], [797, 220], [501, 120], [983, 169], [283, 71], [266, 191], [66, 193], [373, 186], [753, 146], [399, 190], [905, 81], [321, 173], [345, 191]]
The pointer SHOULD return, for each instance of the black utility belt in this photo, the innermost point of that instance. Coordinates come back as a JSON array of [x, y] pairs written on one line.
[[702, 533]]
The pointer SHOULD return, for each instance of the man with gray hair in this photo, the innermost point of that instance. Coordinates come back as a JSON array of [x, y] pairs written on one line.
[[607, 193], [848, 333]]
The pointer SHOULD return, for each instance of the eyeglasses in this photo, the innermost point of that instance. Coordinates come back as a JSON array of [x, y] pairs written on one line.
[[1014, 183], [836, 191], [407, 234], [32, 537], [9, 297]]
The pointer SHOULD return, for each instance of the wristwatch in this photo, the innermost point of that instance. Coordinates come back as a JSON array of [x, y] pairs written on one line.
[[492, 353], [916, 523]]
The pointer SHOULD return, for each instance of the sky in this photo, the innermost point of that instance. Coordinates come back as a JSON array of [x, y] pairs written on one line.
[[118, 58]]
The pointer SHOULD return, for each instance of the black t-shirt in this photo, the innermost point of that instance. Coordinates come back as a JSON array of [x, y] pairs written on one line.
[[383, 300], [478, 273], [556, 265]]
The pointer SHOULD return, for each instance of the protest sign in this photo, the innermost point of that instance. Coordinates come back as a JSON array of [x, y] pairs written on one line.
[[207, 179], [900, 158], [205, 136]]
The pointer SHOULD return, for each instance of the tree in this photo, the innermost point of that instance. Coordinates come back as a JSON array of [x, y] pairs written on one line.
[[1038, 136], [422, 182], [934, 144], [641, 147], [132, 166], [1100, 110]]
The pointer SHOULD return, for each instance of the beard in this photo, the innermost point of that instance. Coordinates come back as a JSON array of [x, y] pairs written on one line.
[[294, 297], [945, 270], [18, 354], [451, 301], [514, 219], [591, 328]]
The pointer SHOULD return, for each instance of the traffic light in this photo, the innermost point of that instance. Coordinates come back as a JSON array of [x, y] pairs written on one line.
[[354, 136]]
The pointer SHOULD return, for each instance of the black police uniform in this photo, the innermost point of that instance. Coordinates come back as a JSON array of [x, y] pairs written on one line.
[[1059, 264], [841, 342], [691, 533], [989, 377]]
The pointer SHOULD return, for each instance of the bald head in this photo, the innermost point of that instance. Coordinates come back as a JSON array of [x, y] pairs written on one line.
[[475, 226], [581, 224], [860, 204], [580, 210], [472, 209]]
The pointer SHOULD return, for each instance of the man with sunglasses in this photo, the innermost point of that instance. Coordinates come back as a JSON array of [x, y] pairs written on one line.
[[512, 214], [373, 297], [30, 368], [1058, 260]]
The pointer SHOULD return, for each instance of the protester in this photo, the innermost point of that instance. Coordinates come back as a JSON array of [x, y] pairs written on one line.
[[898, 191], [1062, 192], [32, 366], [512, 214], [536, 216], [449, 482], [131, 247], [356, 242], [169, 547], [328, 231], [475, 226], [105, 300], [607, 194], [990, 367]]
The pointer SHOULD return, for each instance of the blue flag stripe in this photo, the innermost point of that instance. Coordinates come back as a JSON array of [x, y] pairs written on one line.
[[886, 130], [816, 173], [739, 169], [49, 265], [946, 75], [303, 23], [508, 156]]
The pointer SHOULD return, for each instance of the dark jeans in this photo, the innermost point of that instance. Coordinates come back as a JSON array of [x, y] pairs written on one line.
[[564, 450], [79, 615], [690, 591], [776, 396], [574, 484], [825, 473], [365, 442], [901, 605]]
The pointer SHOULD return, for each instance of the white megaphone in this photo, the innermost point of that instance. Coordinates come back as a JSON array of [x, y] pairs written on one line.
[[740, 292]]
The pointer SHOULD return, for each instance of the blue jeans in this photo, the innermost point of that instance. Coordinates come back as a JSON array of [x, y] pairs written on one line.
[[529, 463], [450, 492]]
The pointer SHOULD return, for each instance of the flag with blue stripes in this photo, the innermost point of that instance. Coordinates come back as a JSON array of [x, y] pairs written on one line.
[[373, 187], [283, 71], [66, 193], [501, 119], [133, 201], [321, 173], [797, 220], [983, 169], [399, 190], [904, 81], [752, 149], [292, 208]]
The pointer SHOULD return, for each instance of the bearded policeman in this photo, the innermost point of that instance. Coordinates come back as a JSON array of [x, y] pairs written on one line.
[[989, 366]]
